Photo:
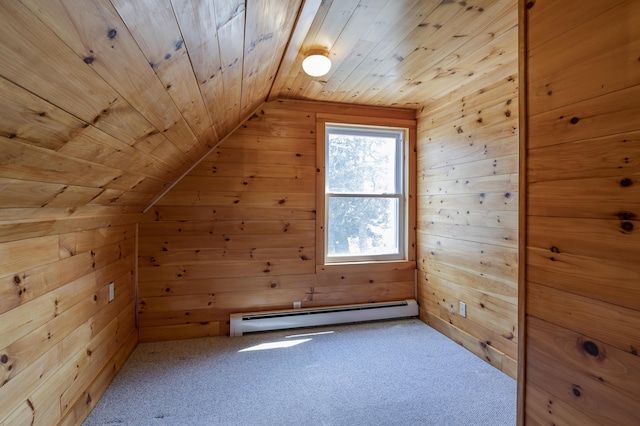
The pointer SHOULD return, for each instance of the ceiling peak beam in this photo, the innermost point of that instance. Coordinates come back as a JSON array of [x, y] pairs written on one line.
[[306, 15]]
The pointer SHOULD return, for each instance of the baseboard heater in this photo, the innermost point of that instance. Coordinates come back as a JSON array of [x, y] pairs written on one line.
[[242, 323]]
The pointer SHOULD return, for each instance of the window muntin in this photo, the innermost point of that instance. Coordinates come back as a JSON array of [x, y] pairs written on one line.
[[365, 189]]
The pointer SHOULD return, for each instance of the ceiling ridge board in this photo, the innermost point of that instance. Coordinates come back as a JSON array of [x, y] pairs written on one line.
[[306, 14]]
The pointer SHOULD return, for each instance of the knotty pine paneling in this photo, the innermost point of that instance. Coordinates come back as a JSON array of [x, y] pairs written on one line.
[[61, 340], [582, 276], [404, 53], [238, 233], [156, 85], [467, 184]]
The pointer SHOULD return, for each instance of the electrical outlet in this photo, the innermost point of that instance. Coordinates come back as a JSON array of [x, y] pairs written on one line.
[[297, 305], [111, 292], [463, 309]]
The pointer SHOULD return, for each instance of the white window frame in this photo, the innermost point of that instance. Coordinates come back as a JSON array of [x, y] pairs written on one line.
[[401, 189]]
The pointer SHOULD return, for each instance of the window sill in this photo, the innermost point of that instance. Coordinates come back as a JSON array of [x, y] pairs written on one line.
[[369, 266]]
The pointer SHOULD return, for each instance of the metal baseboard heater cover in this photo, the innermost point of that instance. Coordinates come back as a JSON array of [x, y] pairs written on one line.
[[294, 318]]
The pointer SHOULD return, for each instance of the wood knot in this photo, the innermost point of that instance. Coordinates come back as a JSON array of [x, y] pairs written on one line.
[[16, 279], [554, 249], [4, 359], [591, 348], [626, 215], [627, 226], [112, 33], [574, 120], [576, 391], [626, 182], [89, 60]]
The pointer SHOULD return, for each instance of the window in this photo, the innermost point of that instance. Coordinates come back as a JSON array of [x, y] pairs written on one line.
[[365, 194]]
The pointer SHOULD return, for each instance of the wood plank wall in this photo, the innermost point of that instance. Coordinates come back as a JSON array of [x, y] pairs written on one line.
[[237, 234], [467, 219], [61, 341], [583, 204]]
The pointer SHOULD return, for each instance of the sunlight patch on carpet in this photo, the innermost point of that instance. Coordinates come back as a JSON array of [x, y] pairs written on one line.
[[274, 345]]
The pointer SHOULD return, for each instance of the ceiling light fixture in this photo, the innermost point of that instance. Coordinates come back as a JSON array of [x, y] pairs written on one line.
[[316, 64]]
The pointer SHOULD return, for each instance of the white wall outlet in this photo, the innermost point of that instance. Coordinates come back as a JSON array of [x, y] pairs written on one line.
[[112, 294], [463, 309], [297, 305]]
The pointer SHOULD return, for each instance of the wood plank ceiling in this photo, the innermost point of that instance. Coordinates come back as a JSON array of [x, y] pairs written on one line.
[[105, 103]]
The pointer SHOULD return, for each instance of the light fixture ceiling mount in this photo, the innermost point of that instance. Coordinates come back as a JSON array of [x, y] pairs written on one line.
[[316, 63]]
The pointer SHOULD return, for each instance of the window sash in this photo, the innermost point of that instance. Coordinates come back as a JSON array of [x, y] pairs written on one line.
[[388, 133], [399, 219]]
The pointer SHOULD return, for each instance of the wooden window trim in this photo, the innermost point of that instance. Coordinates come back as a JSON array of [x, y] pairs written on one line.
[[410, 261]]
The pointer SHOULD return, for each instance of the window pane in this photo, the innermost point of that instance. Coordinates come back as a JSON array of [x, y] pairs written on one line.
[[362, 226], [361, 164]]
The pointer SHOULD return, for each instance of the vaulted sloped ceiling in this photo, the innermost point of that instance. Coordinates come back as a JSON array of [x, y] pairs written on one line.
[[402, 53], [105, 103]]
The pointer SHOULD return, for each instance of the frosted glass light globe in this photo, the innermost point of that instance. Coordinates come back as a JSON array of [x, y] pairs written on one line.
[[316, 65]]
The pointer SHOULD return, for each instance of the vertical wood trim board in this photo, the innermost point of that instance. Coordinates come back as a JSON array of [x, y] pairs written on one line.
[[238, 233], [522, 209], [582, 236], [467, 220]]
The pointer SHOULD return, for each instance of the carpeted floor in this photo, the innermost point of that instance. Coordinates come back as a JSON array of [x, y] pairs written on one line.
[[382, 373]]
